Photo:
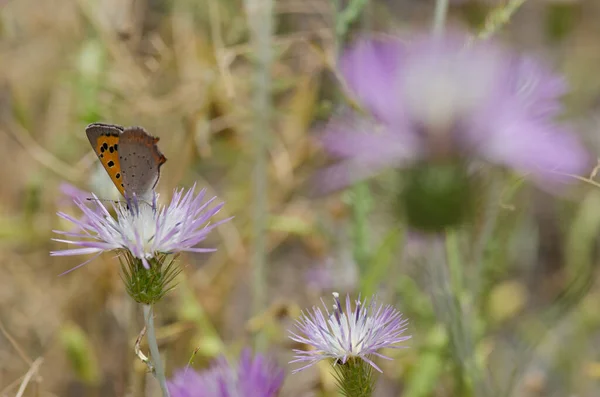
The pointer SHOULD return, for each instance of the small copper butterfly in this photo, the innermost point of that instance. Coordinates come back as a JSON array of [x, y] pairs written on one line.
[[129, 156]]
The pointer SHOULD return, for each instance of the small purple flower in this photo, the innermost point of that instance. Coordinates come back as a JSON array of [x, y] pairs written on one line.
[[252, 377], [438, 98], [144, 230], [345, 334]]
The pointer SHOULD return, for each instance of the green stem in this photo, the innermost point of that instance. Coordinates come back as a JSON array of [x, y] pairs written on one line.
[[462, 332], [260, 20], [484, 235], [454, 261], [444, 264], [439, 17], [159, 371]]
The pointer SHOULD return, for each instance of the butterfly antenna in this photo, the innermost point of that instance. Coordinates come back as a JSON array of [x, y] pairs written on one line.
[[103, 200]]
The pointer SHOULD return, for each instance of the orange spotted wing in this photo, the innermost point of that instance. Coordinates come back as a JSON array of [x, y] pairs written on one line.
[[104, 139]]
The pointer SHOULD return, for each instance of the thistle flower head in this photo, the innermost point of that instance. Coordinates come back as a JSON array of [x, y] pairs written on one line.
[[251, 377], [445, 98], [346, 333], [142, 229]]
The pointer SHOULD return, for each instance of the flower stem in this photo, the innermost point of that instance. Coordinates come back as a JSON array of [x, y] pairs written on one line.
[[447, 306], [445, 266], [260, 22], [159, 371], [439, 17]]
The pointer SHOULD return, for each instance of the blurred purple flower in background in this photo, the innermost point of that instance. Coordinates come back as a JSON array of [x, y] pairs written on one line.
[[140, 228], [330, 274], [252, 377], [345, 334], [434, 99]]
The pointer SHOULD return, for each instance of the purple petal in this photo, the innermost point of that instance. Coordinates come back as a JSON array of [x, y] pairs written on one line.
[[537, 88], [81, 265], [369, 68], [200, 250], [354, 136], [75, 251], [536, 148]]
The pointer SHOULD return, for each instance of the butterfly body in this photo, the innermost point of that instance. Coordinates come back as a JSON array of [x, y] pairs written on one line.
[[129, 156]]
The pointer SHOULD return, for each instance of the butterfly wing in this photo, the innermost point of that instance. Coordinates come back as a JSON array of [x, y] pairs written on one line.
[[104, 139], [140, 162]]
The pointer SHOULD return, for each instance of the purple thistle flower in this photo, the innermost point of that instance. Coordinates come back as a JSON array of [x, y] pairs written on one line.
[[344, 334], [253, 377], [144, 230], [439, 98]]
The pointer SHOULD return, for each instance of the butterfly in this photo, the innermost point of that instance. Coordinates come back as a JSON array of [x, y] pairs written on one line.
[[130, 157]]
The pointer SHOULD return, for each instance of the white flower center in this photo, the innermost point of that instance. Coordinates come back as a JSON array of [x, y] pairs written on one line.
[[441, 90], [139, 226]]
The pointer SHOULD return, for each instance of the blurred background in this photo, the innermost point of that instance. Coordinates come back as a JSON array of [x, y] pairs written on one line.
[[183, 70]]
